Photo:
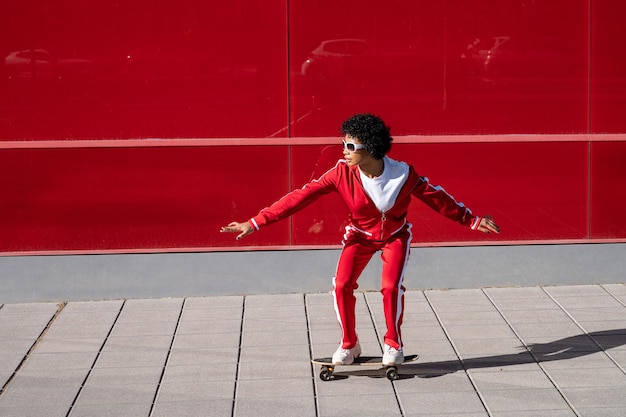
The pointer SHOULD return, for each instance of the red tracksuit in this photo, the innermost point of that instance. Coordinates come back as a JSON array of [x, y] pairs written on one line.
[[369, 231]]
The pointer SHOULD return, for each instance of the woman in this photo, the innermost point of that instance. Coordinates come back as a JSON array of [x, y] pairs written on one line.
[[377, 191]]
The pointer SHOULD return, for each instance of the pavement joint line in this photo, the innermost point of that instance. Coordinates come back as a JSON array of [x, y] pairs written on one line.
[[308, 335], [238, 368], [167, 359], [543, 369], [595, 342], [106, 339], [613, 295], [458, 356], [373, 319], [604, 350], [376, 331], [60, 307]]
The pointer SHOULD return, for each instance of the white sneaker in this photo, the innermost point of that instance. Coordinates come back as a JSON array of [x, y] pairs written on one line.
[[346, 356], [392, 356]]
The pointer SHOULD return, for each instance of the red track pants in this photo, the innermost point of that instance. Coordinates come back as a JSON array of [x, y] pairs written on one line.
[[354, 257]]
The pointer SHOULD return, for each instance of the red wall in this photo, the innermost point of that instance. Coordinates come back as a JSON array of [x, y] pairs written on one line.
[[271, 74]]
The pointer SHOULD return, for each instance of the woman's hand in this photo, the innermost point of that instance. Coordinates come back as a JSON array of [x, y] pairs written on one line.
[[244, 229], [487, 225]]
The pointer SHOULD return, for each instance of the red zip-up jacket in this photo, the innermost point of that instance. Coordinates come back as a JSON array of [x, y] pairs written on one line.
[[364, 216]]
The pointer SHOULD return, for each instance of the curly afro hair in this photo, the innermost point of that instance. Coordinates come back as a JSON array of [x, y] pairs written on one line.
[[371, 131]]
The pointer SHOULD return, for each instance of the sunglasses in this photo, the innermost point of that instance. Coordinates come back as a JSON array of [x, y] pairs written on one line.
[[351, 146]]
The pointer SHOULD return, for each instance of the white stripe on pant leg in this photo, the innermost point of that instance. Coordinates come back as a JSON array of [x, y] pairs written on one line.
[[335, 304], [336, 307], [399, 308]]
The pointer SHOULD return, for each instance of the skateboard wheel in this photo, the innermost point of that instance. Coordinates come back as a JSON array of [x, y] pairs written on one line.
[[392, 374], [326, 374]]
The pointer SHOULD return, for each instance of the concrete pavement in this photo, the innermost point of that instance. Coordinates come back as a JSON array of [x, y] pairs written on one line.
[[523, 351]]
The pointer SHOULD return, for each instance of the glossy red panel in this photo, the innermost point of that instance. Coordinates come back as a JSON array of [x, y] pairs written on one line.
[[608, 86], [276, 68], [144, 198], [142, 69], [460, 67], [534, 190], [134, 198], [608, 190]]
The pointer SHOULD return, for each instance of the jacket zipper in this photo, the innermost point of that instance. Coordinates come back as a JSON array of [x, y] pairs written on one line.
[[382, 225]]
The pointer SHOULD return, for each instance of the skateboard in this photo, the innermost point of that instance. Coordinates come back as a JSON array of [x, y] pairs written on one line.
[[391, 371]]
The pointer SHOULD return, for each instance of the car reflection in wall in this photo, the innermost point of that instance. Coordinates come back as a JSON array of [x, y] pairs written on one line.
[[340, 70], [43, 65], [503, 57], [351, 61]]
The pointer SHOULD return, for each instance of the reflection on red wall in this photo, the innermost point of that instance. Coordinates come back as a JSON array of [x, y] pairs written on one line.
[[280, 68], [462, 67], [608, 68], [608, 189], [142, 69], [125, 198], [535, 190]]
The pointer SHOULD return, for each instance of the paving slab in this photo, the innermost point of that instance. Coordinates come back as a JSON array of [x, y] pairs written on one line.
[[356, 403], [123, 376], [507, 379], [417, 378], [441, 403], [275, 406], [529, 401], [215, 407], [292, 368], [111, 410], [196, 390]]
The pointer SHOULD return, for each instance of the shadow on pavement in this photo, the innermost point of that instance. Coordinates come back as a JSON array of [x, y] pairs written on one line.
[[558, 350]]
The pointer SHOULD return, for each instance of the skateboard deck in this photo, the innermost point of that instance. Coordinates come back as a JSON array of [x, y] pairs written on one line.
[[391, 371]]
